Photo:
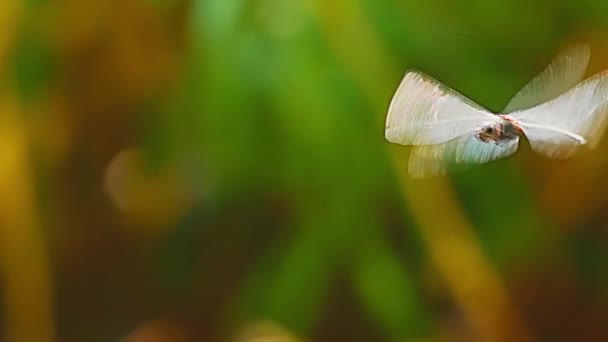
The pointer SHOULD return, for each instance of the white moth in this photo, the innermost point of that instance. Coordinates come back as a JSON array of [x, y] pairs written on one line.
[[556, 111]]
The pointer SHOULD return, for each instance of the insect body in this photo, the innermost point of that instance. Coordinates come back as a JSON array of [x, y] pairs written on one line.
[[556, 111], [499, 132]]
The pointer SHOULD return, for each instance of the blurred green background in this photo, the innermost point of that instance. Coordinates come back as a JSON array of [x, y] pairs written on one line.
[[216, 170]]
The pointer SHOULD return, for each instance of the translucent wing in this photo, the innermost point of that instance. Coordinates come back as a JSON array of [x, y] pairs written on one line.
[[563, 73], [558, 127], [424, 111], [434, 160]]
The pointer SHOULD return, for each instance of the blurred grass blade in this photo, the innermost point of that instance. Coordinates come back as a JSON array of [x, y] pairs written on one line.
[[388, 293]]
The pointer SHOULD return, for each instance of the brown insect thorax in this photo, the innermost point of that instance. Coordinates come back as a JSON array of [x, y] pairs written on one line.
[[499, 132]]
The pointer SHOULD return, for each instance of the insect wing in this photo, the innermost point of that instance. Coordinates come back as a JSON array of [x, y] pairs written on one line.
[[563, 73], [434, 160], [556, 128], [424, 111]]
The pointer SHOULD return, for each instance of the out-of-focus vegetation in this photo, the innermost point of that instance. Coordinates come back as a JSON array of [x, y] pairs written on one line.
[[216, 170]]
